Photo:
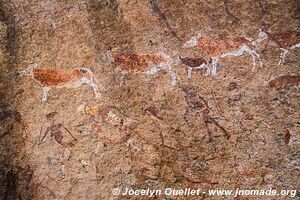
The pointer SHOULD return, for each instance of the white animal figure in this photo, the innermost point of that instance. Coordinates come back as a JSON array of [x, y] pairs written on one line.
[[287, 41]]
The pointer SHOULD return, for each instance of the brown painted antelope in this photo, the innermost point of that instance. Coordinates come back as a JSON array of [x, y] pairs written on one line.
[[287, 41], [217, 47], [144, 63], [49, 78], [195, 63]]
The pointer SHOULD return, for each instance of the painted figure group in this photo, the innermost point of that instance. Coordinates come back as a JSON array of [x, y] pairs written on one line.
[[215, 48]]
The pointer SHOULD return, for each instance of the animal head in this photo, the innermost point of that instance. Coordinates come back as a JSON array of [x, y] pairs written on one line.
[[27, 71], [84, 72], [193, 41], [263, 35]]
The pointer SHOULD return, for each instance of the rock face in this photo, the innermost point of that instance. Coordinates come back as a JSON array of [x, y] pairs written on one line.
[[154, 124]]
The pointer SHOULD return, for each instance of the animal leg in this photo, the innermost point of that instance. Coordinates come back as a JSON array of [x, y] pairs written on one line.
[[254, 55], [202, 66], [284, 52], [208, 70], [282, 56], [45, 93], [95, 88], [185, 117], [214, 63], [123, 78], [173, 76], [93, 83], [190, 72]]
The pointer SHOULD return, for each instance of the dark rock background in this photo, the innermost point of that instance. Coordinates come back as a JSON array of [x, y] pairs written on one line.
[[141, 133]]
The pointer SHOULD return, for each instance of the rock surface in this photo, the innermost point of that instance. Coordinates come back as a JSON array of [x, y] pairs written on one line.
[[153, 126]]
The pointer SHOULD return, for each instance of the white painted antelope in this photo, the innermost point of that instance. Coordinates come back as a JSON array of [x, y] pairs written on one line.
[[144, 63], [49, 78], [217, 47], [287, 41]]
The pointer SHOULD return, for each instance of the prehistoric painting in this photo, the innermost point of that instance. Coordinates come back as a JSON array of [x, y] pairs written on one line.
[[149, 99]]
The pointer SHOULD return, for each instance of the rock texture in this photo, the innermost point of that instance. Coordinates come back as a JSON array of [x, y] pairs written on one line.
[[154, 124]]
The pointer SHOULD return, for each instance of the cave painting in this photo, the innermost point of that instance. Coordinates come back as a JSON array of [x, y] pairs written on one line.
[[49, 78], [216, 47], [287, 41], [144, 63]]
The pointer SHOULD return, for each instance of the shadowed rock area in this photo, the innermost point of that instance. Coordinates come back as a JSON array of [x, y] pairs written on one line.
[[180, 104]]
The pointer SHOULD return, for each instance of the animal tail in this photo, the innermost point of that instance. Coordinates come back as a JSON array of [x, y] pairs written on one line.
[[27, 71], [193, 41]]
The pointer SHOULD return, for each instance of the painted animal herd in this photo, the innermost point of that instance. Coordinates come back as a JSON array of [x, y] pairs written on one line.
[[215, 48]]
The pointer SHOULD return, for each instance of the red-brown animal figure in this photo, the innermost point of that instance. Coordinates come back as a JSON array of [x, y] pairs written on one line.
[[49, 78], [283, 82], [287, 41], [217, 47], [143, 63], [195, 63]]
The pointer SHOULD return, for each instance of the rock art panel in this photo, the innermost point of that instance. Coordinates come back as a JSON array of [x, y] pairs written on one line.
[[237, 130]]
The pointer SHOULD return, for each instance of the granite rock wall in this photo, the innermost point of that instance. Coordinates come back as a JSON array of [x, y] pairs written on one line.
[[180, 103]]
